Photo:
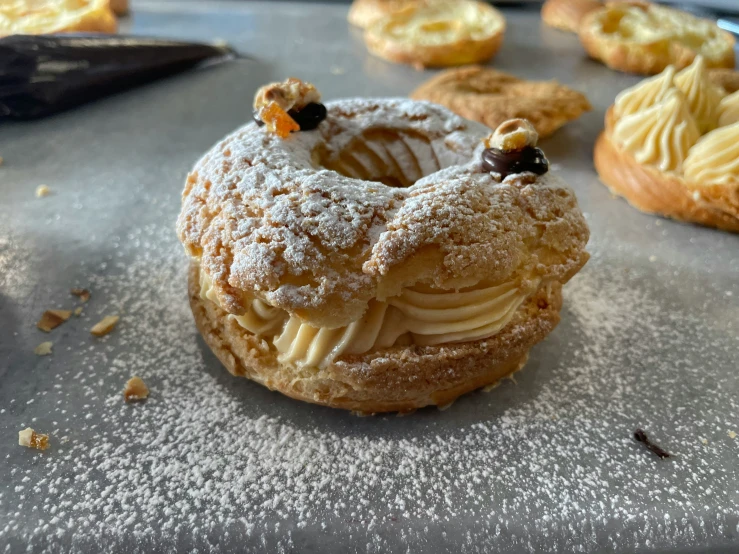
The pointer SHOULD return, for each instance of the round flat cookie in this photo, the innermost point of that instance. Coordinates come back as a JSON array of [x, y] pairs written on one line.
[[491, 97]]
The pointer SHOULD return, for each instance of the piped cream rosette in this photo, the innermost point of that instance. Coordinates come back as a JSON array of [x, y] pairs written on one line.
[[671, 146]]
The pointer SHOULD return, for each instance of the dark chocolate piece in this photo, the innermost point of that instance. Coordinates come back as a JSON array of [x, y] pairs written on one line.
[[42, 75], [307, 118], [530, 159], [641, 436], [310, 116]]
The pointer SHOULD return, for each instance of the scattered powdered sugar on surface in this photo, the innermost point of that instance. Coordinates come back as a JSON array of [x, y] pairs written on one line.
[[211, 462]]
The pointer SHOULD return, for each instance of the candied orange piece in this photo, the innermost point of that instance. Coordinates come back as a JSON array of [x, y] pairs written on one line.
[[278, 121]]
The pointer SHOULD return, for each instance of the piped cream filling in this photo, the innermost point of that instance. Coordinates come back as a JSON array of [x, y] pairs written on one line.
[[419, 315], [660, 135]]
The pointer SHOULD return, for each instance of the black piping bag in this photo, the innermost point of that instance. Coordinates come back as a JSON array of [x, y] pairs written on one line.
[[42, 75]]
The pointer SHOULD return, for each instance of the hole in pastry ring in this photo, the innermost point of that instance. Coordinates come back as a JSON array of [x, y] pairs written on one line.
[[284, 222]]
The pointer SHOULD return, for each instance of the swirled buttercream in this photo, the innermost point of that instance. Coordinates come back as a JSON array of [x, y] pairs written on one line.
[[728, 109], [419, 315], [660, 135], [644, 94], [702, 95], [714, 160]]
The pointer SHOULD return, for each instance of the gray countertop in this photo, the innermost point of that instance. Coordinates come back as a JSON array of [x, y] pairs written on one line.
[[649, 338]]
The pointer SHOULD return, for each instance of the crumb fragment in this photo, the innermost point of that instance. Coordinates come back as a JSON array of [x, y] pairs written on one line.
[[43, 349], [135, 390], [105, 325], [704, 441], [30, 439], [51, 319], [42, 190], [83, 294], [732, 434], [78, 311], [1, 160]]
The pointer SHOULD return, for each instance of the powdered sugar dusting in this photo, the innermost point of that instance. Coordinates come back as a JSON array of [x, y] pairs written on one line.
[[210, 462]]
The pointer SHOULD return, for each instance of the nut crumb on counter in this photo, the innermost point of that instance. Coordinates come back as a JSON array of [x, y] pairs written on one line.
[[30, 439], [135, 389], [51, 319], [105, 325], [43, 349]]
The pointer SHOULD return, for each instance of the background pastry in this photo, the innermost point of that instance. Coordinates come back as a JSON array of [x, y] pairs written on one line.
[[727, 79], [566, 15], [641, 37], [34, 17], [364, 13], [670, 147], [361, 264], [438, 34], [491, 97]]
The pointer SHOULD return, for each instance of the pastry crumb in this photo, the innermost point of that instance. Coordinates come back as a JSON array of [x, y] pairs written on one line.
[[42, 190], [82, 294], [135, 390], [78, 311], [1, 160], [31, 439], [43, 349], [704, 441], [652, 259], [51, 319], [105, 325], [732, 434]]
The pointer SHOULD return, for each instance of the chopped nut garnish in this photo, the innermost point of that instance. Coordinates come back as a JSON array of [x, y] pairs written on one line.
[[29, 438], [43, 349], [105, 325], [42, 190], [272, 103], [135, 390], [52, 319], [83, 294], [78, 311], [288, 95], [514, 134]]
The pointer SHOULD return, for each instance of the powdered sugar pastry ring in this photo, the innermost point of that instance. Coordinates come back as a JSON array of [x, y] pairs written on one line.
[[376, 254]]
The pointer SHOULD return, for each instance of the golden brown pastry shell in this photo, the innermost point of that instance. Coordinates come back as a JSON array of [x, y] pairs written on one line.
[[643, 58], [461, 52], [363, 13], [398, 379], [491, 97], [566, 15], [653, 191], [727, 79]]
